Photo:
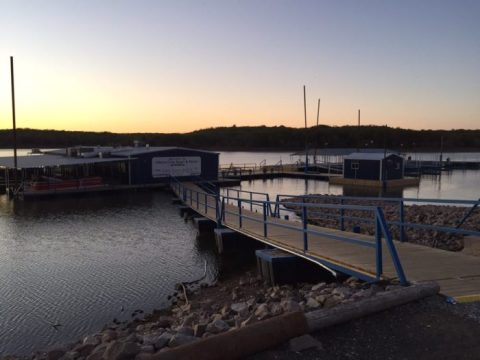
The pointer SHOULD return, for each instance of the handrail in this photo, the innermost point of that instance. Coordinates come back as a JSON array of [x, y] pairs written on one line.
[[220, 202], [401, 223]]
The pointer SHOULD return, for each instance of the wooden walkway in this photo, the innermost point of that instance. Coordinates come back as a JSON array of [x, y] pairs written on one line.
[[457, 274]]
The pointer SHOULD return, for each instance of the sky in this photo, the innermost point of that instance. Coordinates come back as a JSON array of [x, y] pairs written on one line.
[[178, 66]]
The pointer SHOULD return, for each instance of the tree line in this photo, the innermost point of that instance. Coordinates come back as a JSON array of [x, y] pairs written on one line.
[[259, 138]]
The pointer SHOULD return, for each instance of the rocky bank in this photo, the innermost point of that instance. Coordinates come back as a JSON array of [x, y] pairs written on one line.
[[439, 215], [201, 311]]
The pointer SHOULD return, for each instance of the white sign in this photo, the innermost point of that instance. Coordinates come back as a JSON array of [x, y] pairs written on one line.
[[176, 166]]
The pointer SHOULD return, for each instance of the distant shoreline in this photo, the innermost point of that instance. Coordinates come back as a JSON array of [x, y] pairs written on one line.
[[268, 150], [261, 139]]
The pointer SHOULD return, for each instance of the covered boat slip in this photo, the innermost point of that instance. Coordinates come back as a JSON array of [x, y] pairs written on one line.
[[458, 274], [50, 174]]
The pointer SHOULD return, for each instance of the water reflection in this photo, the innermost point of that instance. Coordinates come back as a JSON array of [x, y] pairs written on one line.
[[79, 260], [457, 184]]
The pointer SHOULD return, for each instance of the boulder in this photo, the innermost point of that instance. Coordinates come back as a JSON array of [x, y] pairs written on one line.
[[290, 306], [240, 308], [185, 330], [118, 350], [84, 349], [342, 292], [199, 329], [180, 339], [275, 308], [331, 301], [217, 326], [312, 303], [164, 321], [147, 349], [162, 340], [109, 335], [92, 339], [262, 312], [319, 286]]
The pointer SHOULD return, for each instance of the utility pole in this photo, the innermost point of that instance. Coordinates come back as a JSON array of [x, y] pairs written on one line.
[[306, 136], [13, 114], [358, 132], [318, 111], [15, 164]]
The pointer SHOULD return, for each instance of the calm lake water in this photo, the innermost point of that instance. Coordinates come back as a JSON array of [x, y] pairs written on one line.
[[458, 184], [79, 260]]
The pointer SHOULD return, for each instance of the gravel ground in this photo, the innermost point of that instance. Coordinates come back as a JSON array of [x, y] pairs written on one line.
[[426, 329]]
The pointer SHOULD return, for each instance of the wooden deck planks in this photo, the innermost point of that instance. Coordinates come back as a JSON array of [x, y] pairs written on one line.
[[458, 274]]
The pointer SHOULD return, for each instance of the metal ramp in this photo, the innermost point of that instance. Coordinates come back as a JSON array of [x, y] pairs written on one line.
[[370, 258]]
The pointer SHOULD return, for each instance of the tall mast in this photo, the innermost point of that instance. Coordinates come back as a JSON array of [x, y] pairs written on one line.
[[305, 112], [13, 116], [318, 111]]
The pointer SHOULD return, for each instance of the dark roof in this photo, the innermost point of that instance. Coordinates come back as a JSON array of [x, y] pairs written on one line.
[[40, 161], [368, 156], [344, 151], [90, 155]]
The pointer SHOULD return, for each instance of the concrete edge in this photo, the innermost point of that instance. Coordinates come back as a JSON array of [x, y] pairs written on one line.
[[239, 343], [322, 319]]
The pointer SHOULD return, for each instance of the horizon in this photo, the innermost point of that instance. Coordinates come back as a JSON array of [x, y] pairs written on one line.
[[239, 126], [162, 67]]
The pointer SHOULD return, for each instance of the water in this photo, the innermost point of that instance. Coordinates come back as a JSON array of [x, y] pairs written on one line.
[[271, 158], [79, 260], [457, 184]]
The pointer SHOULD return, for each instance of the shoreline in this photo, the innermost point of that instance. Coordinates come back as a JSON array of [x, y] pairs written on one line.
[[203, 310]]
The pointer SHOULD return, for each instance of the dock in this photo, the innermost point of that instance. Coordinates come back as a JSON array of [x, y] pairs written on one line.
[[369, 258]]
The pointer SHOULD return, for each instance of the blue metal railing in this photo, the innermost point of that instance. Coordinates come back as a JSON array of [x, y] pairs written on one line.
[[250, 195], [229, 212], [401, 223]]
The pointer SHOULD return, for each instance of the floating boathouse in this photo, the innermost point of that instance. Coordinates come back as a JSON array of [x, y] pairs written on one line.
[[373, 166], [374, 169], [101, 168]]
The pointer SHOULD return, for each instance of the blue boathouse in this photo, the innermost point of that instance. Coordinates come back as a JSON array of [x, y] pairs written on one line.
[[373, 166]]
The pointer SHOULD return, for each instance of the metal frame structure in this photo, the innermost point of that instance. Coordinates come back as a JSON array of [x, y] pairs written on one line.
[[207, 202], [470, 206]]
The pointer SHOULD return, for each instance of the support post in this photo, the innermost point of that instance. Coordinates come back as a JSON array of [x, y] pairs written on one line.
[[223, 209], [402, 221], [378, 247], [217, 210], [264, 219], [239, 204], [342, 214], [305, 224]]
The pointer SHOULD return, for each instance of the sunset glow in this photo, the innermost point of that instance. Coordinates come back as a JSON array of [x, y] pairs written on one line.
[[168, 66]]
